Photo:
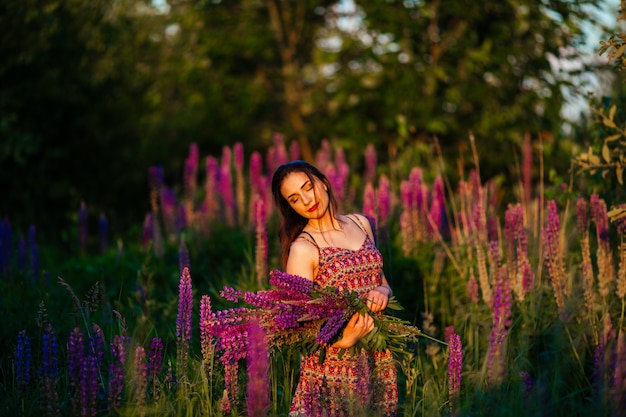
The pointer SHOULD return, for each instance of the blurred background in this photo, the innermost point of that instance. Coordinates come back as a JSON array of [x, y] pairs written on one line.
[[94, 92]]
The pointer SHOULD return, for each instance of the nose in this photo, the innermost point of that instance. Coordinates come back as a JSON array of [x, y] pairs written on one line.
[[307, 198]]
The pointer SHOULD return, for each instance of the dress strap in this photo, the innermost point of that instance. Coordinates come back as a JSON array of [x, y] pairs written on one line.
[[309, 239], [355, 219]]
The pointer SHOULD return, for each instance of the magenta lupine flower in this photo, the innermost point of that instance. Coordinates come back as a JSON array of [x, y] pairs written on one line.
[[518, 264], [258, 388], [183, 321], [206, 320], [294, 151], [438, 203], [618, 386], [383, 196], [331, 328], [140, 380], [231, 294], [369, 201], [256, 171], [75, 362], [210, 188], [225, 187], [261, 251], [155, 363], [281, 151], [501, 308], [370, 163], [49, 372], [23, 363], [240, 192], [455, 364], [553, 256], [190, 173], [323, 156], [600, 217], [83, 234], [472, 289], [169, 210], [116, 372]]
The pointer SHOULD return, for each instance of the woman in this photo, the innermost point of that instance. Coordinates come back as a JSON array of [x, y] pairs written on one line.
[[337, 250]]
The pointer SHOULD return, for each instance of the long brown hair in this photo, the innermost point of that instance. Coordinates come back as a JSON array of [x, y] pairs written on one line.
[[291, 223]]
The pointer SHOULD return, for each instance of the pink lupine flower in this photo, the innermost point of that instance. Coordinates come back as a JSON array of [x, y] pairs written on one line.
[[369, 202], [258, 389], [116, 372], [472, 289], [211, 188], [261, 252], [501, 308], [183, 321], [370, 163], [294, 150], [553, 257], [206, 318], [225, 186], [455, 364], [239, 182], [140, 380], [383, 197], [323, 156]]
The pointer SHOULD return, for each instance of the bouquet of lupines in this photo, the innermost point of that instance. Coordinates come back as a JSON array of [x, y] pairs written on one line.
[[300, 314]]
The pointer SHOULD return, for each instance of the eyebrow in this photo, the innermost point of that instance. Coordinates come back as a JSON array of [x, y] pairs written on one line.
[[301, 187]]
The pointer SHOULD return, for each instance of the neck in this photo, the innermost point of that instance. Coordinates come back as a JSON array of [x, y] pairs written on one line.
[[325, 224]]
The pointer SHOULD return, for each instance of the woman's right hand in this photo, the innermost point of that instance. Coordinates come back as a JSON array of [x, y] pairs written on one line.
[[358, 326]]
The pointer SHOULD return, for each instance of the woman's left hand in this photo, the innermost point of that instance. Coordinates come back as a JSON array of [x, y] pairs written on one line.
[[377, 299]]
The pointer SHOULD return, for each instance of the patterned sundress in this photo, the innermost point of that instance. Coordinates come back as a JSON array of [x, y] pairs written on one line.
[[363, 384]]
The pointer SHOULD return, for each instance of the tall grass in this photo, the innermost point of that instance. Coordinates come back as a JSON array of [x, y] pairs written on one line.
[[531, 293]]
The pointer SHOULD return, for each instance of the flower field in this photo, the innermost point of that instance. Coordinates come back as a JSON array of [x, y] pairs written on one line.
[[521, 302]]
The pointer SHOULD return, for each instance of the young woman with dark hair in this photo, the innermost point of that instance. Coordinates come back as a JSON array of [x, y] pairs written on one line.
[[338, 250]]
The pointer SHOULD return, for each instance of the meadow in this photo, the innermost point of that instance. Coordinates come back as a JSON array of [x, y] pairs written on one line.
[[524, 287]]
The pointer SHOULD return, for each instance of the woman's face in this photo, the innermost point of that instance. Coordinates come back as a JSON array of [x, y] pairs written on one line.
[[308, 198]]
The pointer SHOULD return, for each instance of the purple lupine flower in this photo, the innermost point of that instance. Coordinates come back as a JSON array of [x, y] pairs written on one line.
[[472, 289], [331, 328], [75, 360], [155, 363], [600, 217], [225, 187], [231, 294], [49, 372], [103, 232], [501, 308], [370, 163], [210, 204], [621, 222], [169, 210], [528, 383], [141, 383], [183, 256], [183, 321], [83, 234], [89, 386], [383, 200], [291, 282], [369, 201], [96, 344], [261, 251], [455, 364], [23, 362], [438, 203], [258, 389], [294, 150], [206, 319], [116, 372], [553, 256]]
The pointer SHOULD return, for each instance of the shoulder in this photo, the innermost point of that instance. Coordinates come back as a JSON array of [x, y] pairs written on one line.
[[363, 222], [303, 258]]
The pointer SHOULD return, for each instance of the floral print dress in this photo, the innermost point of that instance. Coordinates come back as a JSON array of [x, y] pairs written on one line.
[[365, 383]]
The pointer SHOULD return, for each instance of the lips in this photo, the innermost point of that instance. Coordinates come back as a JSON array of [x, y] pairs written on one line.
[[312, 209]]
